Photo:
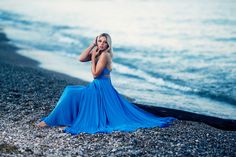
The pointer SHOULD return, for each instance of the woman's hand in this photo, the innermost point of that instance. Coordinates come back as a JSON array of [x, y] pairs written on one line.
[[95, 41], [93, 55], [98, 52]]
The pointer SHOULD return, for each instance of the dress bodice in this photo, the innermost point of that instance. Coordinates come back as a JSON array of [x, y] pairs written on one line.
[[105, 73]]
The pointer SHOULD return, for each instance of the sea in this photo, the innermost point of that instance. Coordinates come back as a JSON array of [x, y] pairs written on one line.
[[178, 54]]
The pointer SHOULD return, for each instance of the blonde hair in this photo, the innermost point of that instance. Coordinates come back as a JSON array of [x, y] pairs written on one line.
[[109, 42]]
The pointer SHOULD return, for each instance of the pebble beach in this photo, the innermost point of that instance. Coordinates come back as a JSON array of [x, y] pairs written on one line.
[[28, 93]]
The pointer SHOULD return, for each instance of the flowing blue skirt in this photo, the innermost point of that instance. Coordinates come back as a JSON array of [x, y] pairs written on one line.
[[98, 107]]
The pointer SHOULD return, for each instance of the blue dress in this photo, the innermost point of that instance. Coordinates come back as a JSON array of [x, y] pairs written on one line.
[[98, 107]]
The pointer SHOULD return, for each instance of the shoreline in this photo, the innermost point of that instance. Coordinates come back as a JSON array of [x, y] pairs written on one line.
[[29, 92]]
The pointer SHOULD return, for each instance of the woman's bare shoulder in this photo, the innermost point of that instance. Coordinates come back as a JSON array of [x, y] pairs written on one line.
[[106, 55]]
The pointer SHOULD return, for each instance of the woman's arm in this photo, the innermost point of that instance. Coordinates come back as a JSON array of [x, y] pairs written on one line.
[[97, 68], [86, 55]]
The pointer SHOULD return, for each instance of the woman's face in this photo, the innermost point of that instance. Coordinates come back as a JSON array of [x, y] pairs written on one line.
[[102, 43]]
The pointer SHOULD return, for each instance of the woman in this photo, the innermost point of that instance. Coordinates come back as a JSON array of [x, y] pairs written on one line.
[[98, 107]]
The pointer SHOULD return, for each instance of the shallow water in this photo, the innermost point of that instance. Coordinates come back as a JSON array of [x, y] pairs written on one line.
[[175, 54]]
